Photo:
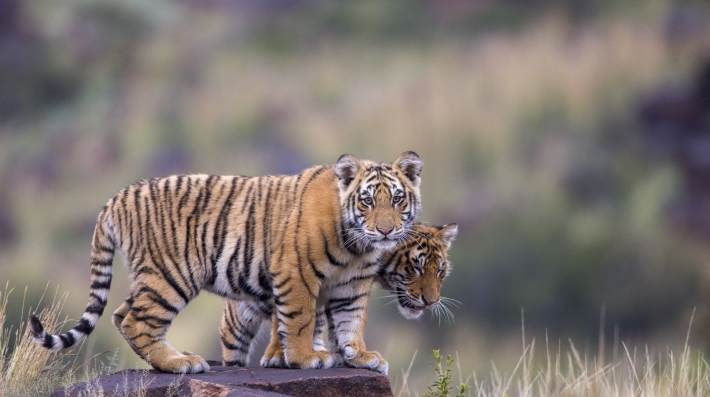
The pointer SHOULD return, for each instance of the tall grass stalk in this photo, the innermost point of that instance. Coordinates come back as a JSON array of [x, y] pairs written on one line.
[[572, 374], [27, 368]]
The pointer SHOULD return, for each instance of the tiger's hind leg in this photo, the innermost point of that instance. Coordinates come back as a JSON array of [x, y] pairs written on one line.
[[154, 306], [118, 316], [274, 353], [240, 324]]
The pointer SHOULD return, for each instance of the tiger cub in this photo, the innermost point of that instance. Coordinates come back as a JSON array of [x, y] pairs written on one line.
[[284, 239], [413, 274]]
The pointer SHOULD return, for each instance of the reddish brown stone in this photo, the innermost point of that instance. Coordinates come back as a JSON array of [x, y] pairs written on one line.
[[231, 382]]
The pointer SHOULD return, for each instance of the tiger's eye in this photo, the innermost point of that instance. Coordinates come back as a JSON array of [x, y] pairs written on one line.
[[367, 200], [397, 199]]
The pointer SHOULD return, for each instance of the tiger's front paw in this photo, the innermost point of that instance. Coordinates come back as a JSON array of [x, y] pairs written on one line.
[[179, 363], [368, 360], [312, 359], [273, 358]]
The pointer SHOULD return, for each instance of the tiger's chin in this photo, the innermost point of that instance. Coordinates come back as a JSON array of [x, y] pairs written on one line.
[[385, 244], [411, 313]]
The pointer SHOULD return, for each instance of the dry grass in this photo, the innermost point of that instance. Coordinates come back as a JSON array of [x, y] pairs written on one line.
[[630, 373], [27, 368]]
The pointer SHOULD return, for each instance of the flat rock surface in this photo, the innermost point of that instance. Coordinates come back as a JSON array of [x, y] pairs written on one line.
[[223, 381]]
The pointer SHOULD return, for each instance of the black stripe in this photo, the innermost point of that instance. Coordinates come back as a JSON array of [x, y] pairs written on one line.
[[98, 298], [333, 261], [95, 309], [315, 270], [341, 309], [349, 299], [248, 252], [101, 284], [371, 177], [305, 325], [292, 314], [268, 212], [103, 248], [266, 308], [48, 341], [84, 326], [353, 279], [290, 197], [305, 187], [370, 264], [183, 199], [220, 233], [204, 253], [134, 226], [249, 289], [237, 324], [390, 178], [283, 294], [153, 321], [171, 195], [232, 265], [207, 189], [67, 340], [243, 328], [232, 346], [193, 222], [264, 280], [150, 342], [303, 279], [156, 297]]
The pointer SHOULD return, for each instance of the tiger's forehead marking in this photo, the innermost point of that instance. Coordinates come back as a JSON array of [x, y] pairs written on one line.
[[427, 247], [380, 176]]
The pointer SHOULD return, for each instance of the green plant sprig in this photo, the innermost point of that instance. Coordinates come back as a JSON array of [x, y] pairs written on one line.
[[442, 385]]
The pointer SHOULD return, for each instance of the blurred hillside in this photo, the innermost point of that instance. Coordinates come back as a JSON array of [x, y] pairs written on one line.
[[528, 118]]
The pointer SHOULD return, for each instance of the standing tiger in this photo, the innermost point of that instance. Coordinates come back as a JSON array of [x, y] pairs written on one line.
[[412, 274], [287, 239]]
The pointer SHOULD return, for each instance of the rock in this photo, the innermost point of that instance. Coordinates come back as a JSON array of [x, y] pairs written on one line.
[[223, 381]]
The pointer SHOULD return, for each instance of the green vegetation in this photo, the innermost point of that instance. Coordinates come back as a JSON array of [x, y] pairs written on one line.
[[442, 385]]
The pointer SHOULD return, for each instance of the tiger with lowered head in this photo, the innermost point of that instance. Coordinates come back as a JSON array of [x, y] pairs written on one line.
[[412, 274], [290, 240]]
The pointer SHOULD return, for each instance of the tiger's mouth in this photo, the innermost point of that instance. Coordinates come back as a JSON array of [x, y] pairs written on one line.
[[385, 242], [407, 307]]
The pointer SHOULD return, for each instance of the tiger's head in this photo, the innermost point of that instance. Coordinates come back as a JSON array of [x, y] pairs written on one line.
[[379, 202], [414, 272]]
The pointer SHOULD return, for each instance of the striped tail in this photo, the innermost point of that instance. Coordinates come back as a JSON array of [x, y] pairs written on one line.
[[102, 251]]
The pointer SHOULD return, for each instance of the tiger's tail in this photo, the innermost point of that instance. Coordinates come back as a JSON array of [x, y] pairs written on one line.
[[102, 251]]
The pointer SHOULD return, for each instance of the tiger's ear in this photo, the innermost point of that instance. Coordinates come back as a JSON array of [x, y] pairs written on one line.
[[411, 165], [448, 233], [346, 168]]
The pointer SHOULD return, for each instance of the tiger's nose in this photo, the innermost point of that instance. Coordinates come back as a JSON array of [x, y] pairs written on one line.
[[385, 229]]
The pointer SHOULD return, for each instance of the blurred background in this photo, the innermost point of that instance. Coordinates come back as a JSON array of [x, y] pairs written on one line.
[[569, 139]]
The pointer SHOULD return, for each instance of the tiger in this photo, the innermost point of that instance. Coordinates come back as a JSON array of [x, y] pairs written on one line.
[[413, 274], [286, 239]]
